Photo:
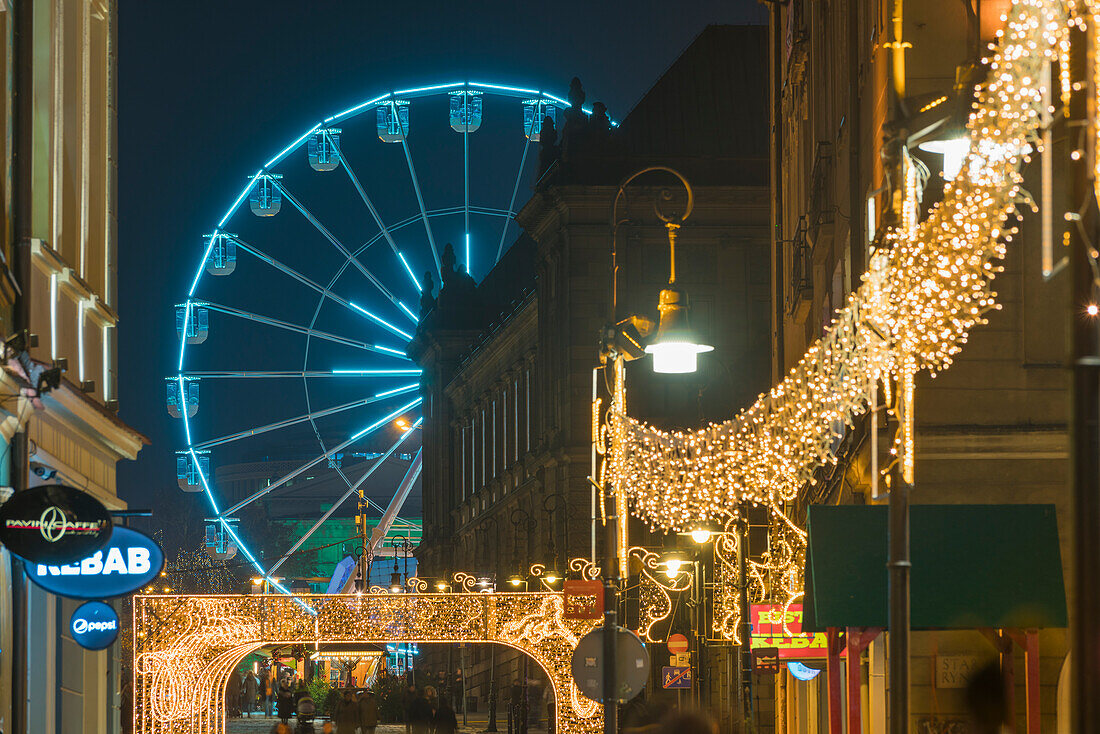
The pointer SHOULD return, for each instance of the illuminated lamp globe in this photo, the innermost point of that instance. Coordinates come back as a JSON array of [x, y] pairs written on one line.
[[552, 577], [515, 580], [672, 565], [953, 145], [675, 349], [700, 535]]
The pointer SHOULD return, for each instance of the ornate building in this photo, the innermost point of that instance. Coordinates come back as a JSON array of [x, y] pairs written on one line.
[[508, 363], [992, 428], [59, 162]]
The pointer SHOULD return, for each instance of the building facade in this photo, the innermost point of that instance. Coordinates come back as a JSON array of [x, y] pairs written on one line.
[[992, 429], [59, 206], [508, 363]]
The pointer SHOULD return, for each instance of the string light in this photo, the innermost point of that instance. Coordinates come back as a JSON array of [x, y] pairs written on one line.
[[927, 286], [185, 647]]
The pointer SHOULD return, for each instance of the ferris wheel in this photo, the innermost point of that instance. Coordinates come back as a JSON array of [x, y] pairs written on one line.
[[292, 331]]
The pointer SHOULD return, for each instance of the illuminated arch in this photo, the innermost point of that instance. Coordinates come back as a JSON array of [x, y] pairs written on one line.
[[185, 647]]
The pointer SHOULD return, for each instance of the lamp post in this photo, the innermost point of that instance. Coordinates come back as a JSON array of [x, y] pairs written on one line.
[[675, 349], [491, 728]]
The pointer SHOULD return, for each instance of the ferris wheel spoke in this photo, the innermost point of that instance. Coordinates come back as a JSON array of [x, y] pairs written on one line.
[[351, 490], [383, 230], [419, 196], [263, 375], [398, 500], [512, 203], [466, 171], [287, 270], [335, 242], [314, 462], [277, 425], [286, 325]]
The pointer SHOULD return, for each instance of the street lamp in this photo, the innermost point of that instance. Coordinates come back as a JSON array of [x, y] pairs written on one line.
[[516, 581], [442, 586], [676, 347], [672, 565]]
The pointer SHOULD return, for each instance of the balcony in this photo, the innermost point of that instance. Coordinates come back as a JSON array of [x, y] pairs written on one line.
[[800, 281]]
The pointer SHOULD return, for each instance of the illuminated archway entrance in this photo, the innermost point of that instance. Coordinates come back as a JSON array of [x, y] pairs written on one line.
[[186, 646]]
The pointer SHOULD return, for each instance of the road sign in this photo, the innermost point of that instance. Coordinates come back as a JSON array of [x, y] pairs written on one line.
[[583, 599], [672, 677], [680, 660], [631, 668], [677, 643]]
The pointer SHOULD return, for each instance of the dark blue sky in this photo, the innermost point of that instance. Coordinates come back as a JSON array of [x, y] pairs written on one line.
[[209, 90]]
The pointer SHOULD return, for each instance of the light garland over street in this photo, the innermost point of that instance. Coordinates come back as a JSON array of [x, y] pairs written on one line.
[[927, 286]]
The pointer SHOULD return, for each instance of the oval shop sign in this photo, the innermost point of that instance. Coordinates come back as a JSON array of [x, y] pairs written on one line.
[[129, 561], [55, 524], [94, 625]]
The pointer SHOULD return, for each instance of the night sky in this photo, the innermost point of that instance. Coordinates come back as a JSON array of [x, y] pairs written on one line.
[[209, 90]]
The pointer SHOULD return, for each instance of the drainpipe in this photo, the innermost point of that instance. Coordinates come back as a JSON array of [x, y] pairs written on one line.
[[23, 139], [776, 181]]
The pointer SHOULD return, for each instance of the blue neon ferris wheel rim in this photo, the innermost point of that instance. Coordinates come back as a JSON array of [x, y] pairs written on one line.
[[221, 515]]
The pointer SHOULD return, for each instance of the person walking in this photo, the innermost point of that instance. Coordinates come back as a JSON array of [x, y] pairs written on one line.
[[285, 701], [251, 688], [420, 714], [233, 695], [444, 721], [346, 714], [368, 712], [268, 691]]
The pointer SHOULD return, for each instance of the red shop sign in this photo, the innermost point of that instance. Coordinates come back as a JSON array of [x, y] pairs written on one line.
[[583, 599]]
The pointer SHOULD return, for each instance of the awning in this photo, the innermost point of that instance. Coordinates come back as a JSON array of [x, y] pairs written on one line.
[[974, 566]]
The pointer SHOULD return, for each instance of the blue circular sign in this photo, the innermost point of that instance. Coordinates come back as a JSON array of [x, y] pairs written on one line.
[[129, 561], [94, 625]]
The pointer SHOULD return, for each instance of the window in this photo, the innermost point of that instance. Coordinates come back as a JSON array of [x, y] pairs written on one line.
[[527, 408], [462, 481], [493, 455], [483, 475], [515, 419]]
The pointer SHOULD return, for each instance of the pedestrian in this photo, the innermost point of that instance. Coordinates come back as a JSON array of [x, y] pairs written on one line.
[[233, 694], [444, 721], [269, 682], [251, 687], [410, 696], [346, 713], [285, 701], [368, 712], [986, 701], [419, 715]]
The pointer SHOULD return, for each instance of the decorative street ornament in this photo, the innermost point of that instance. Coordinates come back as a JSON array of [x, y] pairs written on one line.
[[127, 563], [94, 625], [583, 599], [54, 524]]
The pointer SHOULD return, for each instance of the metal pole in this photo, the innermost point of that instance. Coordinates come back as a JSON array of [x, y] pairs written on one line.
[[23, 135], [899, 566], [610, 620], [1084, 405], [492, 727], [898, 539], [744, 653]]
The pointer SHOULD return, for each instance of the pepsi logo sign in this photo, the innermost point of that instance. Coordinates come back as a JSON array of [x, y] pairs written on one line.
[[94, 625]]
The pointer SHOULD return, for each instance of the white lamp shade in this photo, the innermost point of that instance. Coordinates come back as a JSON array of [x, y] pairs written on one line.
[[676, 357], [953, 151]]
